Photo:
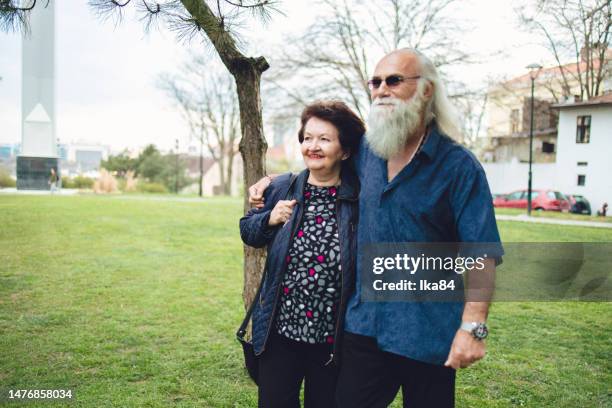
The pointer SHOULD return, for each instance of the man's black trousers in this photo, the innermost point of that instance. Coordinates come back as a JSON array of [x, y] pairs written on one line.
[[283, 366], [371, 378]]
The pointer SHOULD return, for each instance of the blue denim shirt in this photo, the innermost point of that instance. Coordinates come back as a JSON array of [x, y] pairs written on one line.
[[442, 195]]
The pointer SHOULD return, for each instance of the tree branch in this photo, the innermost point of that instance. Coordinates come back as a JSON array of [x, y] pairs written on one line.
[[256, 5]]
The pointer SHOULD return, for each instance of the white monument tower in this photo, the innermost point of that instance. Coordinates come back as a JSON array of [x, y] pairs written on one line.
[[38, 143]]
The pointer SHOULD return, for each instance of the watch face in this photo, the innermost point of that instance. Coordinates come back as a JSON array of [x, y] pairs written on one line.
[[480, 331]]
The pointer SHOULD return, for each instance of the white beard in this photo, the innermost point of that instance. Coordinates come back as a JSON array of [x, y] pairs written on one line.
[[390, 129]]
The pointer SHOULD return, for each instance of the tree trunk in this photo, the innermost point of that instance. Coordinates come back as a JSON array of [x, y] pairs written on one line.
[[253, 151], [247, 74]]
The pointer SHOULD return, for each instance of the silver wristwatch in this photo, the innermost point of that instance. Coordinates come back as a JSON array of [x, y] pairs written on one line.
[[478, 330]]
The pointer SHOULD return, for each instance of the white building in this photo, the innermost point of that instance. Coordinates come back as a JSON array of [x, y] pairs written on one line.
[[211, 184], [584, 150], [87, 156]]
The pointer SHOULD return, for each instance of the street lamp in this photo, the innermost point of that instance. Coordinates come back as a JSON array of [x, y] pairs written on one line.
[[534, 71], [59, 176]]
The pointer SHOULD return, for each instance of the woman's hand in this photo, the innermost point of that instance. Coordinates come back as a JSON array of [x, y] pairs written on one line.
[[281, 212], [256, 191]]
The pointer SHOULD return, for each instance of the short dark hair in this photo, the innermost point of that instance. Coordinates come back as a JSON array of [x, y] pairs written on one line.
[[350, 126]]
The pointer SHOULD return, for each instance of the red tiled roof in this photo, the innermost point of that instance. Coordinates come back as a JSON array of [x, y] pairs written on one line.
[[571, 68], [605, 99]]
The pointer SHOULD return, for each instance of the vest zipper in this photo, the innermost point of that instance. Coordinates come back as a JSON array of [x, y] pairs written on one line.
[[347, 261]]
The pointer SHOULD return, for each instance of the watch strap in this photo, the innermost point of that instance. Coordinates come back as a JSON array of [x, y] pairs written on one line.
[[478, 330]]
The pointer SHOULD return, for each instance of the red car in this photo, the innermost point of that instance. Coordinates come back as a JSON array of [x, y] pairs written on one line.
[[548, 200]]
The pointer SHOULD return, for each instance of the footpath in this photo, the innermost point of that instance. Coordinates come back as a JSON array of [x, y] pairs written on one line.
[[542, 220]]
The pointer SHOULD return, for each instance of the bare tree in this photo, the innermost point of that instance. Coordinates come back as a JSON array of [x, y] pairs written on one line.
[[333, 57], [471, 108], [575, 30], [214, 21], [208, 103]]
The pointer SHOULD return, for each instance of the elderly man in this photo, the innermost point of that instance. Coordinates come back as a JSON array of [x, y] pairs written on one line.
[[417, 185]]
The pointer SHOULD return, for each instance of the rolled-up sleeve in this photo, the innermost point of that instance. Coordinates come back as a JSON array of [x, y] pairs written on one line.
[[473, 211], [254, 228]]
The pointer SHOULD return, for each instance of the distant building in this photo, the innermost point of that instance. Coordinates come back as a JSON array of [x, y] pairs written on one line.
[[193, 169], [8, 158], [212, 178], [6, 151], [508, 113], [87, 157], [62, 152], [584, 164], [9, 151], [280, 159], [211, 182]]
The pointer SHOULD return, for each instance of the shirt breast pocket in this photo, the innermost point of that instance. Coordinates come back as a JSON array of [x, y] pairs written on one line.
[[426, 218]]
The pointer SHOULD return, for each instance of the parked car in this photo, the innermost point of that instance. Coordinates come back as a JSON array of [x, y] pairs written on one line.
[[546, 200], [579, 204]]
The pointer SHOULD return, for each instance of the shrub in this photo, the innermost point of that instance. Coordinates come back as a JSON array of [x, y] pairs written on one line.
[[67, 182], [6, 180], [83, 182], [80, 182], [106, 183], [145, 187]]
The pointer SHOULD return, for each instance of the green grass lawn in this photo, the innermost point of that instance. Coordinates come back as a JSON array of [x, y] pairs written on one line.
[[134, 303]]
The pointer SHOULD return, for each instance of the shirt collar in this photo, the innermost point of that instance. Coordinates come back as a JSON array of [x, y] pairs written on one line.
[[430, 146]]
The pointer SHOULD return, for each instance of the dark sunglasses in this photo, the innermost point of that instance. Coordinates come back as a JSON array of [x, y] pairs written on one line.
[[391, 81]]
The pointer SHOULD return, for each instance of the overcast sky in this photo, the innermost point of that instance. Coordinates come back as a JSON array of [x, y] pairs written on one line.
[[105, 75]]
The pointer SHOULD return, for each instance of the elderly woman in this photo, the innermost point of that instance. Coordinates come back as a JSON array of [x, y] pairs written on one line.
[[308, 223]]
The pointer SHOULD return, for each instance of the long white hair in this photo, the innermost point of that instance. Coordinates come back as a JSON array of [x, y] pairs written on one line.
[[439, 107]]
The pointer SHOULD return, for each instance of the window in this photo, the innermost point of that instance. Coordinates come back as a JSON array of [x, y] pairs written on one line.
[[583, 129], [582, 163], [517, 195], [548, 147], [514, 121], [580, 199], [581, 179]]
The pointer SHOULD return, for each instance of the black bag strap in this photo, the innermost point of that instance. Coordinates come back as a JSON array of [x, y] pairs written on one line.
[[242, 330]]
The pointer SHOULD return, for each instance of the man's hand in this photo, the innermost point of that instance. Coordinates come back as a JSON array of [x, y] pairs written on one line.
[[465, 350], [281, 212], [256, 191]]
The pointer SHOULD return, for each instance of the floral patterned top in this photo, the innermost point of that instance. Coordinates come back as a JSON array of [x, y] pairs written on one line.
[[310, 291]]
